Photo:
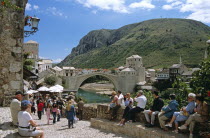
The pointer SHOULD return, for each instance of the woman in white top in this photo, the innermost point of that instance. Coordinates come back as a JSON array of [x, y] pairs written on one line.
[[128, 104], [27, 126]]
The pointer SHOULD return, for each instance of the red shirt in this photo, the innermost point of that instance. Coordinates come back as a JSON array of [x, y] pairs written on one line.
[[40, 106]]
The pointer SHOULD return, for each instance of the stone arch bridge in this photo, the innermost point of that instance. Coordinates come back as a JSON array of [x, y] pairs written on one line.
[[122, 83]]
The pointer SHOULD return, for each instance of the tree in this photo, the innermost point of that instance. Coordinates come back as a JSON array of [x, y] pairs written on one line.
[[181, 90], [162, 85], [201, 79], [51, 80], [27, 63]]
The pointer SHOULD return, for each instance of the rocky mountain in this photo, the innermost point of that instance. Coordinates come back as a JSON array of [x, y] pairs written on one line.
[[159, 41]]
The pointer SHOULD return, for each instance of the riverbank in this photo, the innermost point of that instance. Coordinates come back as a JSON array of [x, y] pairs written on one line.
[[99, 88]]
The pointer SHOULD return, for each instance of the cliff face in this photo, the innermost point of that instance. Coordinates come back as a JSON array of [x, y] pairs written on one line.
[[158, 41]]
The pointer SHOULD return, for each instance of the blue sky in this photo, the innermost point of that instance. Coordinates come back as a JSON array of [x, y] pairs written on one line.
[[64, 22]]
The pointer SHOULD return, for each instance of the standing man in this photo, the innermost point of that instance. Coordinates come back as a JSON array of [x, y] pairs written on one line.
[[155, 109], [141, 103], [80, 108], [40, 107], [15, 107]]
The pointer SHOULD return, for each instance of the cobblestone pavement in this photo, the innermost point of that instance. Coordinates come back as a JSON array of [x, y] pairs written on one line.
[[59, 130]]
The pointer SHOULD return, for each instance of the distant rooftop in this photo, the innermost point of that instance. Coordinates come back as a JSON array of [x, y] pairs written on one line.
[[151, 69], [134, 56], [128, 69], [31, 41], [176, 66], [57, 68], [70, 68], [121, 67]]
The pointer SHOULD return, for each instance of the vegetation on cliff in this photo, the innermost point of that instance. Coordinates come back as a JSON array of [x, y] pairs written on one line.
[[159, 41]]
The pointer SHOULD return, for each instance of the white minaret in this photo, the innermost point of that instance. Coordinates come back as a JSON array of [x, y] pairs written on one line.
[[180, 60], [205, 54]]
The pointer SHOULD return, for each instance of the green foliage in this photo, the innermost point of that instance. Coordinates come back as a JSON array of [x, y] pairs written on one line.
[[150, 99], [201, 79], [162, 85], [28, 63], [8, 4], [51, 80], [149, 39]]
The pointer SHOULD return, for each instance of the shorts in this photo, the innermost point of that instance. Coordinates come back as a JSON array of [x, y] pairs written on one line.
[[27, 133], [112, 105]]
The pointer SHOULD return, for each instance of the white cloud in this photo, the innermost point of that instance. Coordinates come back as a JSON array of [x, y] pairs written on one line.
[[54, 11], [200, 9], [28, 6], [114, 5], [43, 57], [167, 7], [174, 5], [57, 60], [144, 4], [36, 7]]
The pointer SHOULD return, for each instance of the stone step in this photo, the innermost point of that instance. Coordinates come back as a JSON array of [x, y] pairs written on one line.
[[133, 129]]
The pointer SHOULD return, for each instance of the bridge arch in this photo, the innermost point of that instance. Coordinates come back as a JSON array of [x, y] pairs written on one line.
[[111, 78]]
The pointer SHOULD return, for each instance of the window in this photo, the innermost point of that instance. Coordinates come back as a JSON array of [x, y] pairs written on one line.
[[66, 74]]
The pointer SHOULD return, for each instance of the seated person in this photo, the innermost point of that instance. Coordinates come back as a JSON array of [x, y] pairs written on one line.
[[113, 102], [167, 111], [184, 113], [26, 122], [200, 115], [155, 109], [141, 103], [118, 99], [128, 105]]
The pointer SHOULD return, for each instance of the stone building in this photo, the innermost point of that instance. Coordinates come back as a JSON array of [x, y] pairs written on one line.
[[69, 71], [32, 48], [177, 70], [135, 62], [11, 42], [44, 64]]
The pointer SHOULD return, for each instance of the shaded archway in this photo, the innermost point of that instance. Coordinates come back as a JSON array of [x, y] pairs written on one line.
[[85, 77]]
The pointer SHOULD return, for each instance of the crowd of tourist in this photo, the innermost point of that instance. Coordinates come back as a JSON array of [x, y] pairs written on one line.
[[195, 111], [53, 107]]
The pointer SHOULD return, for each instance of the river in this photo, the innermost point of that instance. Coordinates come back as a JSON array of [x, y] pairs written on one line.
[[91, 97]]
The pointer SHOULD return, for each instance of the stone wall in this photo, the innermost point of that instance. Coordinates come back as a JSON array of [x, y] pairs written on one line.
[[99, 111], [11, 42], [89, 111], [133, 130]]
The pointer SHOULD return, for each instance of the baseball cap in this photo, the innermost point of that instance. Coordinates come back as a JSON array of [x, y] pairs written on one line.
[[25, 103], [19, 92]]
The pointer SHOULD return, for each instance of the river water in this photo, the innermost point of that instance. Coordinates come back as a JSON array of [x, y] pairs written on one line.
[[91, 96]]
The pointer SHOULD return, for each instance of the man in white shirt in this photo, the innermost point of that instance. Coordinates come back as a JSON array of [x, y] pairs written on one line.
[[15, 107], [26, 122], [141, 103]]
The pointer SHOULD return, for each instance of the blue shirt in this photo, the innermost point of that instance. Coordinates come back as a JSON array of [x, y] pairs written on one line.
[[190, 107]]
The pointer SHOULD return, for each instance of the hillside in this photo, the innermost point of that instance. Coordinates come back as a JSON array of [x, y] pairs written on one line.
[[158, 41]]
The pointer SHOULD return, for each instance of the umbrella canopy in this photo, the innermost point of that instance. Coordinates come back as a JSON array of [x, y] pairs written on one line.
[[31, 91], [59, 86], [56, 88], [43, 88]]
